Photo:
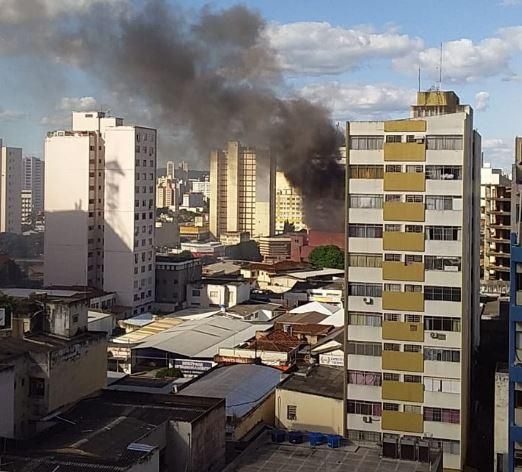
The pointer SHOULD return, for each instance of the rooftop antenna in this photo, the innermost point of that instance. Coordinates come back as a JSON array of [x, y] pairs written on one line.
[[419, 78], [440, 68]]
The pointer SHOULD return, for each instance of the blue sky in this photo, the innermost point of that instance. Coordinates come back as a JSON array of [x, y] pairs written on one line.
[[358, 58]]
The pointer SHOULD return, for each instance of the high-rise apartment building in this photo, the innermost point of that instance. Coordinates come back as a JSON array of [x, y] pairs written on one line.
[[289, 205], [242, 185], [495, 207], [515, 319], [412, 246], [10, 189], [33, 180], [166, 192], [170, 168], [99, 208], [27, 207]]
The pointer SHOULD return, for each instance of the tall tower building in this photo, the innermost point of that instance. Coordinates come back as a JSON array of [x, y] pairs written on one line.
[[170, 169], [10, 189], [99, 208], [166, 193], [33, 181], [412, 245], [242, 185], [289, 205]]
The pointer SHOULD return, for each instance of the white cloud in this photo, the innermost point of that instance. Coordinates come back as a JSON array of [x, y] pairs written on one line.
[[481, 101], [352, 101], [10, 115], [320, 48], [77, 104], [510, 3], [499, 152]]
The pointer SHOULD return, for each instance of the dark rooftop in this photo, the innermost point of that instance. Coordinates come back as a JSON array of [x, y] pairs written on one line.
[[252, 306], [97, 432], [310, 317], [319, 380]]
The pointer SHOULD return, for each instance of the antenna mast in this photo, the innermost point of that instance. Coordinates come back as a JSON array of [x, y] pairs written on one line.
[[440, 68], [419, 78]]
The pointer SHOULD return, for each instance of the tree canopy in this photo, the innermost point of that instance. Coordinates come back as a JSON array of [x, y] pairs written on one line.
[[327, 256]]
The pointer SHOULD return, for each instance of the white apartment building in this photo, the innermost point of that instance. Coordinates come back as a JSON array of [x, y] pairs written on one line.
[[201, 186], [99, 208], [166, 193], [27, 207], [289, 205], [242, 185], [10, 189], [33, 181], [412, 281]]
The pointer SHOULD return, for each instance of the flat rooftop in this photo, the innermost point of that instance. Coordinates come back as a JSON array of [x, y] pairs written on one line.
[[99, 432], [266, 456], [319, 380]]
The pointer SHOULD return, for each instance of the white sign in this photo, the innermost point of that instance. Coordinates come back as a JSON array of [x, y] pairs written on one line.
[[2, 317], [331, 359]]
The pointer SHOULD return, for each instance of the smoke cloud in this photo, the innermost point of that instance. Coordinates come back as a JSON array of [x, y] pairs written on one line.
[[211, 73]]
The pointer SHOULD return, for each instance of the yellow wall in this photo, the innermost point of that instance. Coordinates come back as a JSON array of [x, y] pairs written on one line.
[[404, 125], [264, 413], [314, 413]]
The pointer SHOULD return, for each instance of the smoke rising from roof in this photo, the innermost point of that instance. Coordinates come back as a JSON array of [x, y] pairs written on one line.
[[211, 72]]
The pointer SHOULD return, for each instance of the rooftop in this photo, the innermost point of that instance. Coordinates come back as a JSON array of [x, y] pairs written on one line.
[[266, 456], [245, 309], [308, 317], [244, 386], [100, 431], [157, 326], [310, 274], [318, 380], [325, 308], [276, 341]]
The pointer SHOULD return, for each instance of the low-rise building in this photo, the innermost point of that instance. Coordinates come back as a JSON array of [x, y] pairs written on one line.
[[200, 249], [256, 311], [172, 277], [275, 248], [231, 238], [311, 401], [127, 432], [193, 201], [249, 393], [194, 233], [214, 292], [305, 326], [166, 235]]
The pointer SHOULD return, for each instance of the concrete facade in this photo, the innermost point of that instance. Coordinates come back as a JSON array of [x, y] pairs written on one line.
[[289, 205], [206, 293], [10, 189], [104, 196], [411, 319], [33, 171], [173, 277], [242, 185], [501, 425]]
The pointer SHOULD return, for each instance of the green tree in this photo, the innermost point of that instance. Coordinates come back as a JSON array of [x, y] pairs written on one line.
[[327, 256]]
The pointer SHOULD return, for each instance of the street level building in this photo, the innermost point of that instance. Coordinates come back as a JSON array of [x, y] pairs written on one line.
[[413, 216], [100, 187], [242, 185]]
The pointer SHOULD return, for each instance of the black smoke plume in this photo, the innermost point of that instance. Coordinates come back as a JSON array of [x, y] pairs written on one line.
[[210, 72]]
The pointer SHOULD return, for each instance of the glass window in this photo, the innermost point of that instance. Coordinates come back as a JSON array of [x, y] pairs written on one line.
[[365, 348], [444, 143], [449, 294], [441, 355], [364, 319], [364, 290], [365, 231], [366, 143], [444, 172], [366, 172], [359, 377], [364, 260], [365, 201]]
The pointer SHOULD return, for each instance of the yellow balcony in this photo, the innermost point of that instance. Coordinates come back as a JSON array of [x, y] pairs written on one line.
[[404, 181], [400, 211], [396, 126], [401, 241], [405, 152], [407, 301], [410, 272], [403, 391], [401, 421], [405, 361], [402, 331]]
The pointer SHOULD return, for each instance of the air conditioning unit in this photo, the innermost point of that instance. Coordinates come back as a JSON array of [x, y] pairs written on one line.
[[368, 300], [367, 419], [434, 335]]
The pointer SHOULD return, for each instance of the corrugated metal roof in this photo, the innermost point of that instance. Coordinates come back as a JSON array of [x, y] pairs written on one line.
[[320, 307], [243, 386], [155, 327], [203, 338]]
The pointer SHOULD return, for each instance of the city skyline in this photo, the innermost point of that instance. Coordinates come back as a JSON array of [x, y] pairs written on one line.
[[326, 56]]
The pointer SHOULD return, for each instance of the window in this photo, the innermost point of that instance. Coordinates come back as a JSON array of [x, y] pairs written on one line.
[[366, 172], [441, 323], [364, 319], [393, 138], [364, 260], [434, 384], [359, 377], [444, 143], [412, 288], [412, 378], [442, 415], [394, 168], [392, 228], [392, 347], [448, 294], [392, 287], [412, 318], [291, 412], [75, 318], [441, 355], [393, 197], [452, 264], [356, 407], [364, 290], [411, 258], [196, 293], [366, 143], [390, 406], [392, 257], [443, 233], [368, 436], [365, 201], [36, 387], [364, 231], [443, 202], [413, 228], [392, 317], [414, 199], [365, 349], [444, 172], [412, 347], [414, 168], [391, 377], [415, 409]]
